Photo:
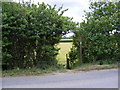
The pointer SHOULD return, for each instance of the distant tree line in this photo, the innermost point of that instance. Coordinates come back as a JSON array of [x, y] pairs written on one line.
[[29, 34]]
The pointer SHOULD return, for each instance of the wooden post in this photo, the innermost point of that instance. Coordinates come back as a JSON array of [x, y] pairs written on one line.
[[68, 64], [81, 60]]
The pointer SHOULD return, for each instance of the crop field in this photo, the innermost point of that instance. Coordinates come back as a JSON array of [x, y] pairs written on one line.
[[64, 49]]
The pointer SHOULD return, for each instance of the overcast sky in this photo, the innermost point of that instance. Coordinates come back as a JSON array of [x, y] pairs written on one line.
[[76, 7]]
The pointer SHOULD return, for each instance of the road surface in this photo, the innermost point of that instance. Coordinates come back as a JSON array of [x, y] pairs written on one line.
[[91, 79]]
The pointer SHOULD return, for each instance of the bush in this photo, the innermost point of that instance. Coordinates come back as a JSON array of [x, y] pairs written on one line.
[[30, 33], [98, 41]]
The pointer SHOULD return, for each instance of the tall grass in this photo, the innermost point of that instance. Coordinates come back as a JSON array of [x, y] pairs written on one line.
[[64, 49]]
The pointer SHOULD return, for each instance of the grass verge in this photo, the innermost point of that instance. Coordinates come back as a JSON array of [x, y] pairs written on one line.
[[28, 72], [36, 72], [90, 66]]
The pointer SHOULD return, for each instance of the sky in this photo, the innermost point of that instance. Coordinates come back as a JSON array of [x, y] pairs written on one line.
[[75, 8]]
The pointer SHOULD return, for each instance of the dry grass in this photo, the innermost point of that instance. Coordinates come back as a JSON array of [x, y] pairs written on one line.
[[64, 49], [96, 67], [53, 71], [86, 68]]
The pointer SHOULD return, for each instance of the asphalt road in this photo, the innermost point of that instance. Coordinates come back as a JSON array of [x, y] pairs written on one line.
[[91, 79]]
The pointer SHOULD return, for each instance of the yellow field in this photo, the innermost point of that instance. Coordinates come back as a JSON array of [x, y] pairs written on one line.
[[64, 49]]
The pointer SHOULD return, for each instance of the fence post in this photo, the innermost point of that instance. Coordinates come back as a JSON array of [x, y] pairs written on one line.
[[68, 64], [81, 59]]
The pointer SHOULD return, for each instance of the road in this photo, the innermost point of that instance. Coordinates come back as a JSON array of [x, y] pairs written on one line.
[[90, 79]]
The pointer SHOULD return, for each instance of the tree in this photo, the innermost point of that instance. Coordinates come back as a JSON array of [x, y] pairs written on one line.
[[98, 41], [30, 33]]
